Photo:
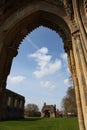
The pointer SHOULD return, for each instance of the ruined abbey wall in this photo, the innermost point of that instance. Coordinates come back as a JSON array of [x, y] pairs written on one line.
[[13, 106]]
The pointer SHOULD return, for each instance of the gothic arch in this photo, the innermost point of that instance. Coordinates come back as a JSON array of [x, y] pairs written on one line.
[[21, 17]]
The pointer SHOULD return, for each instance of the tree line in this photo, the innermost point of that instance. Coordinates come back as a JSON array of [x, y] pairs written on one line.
[[32, 110]]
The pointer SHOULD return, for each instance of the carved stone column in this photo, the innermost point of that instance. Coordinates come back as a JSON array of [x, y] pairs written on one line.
[[2, 88], [71, 63], [9, 54], [81, 55], [84, 49], [77, 92], [79, 21], [80, 75]]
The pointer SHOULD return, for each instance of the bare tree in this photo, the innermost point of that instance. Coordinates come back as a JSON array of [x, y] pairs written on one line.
[[69, 102], [32, 110]]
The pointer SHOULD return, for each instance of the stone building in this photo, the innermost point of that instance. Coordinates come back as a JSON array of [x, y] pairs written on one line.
[[13, 106], [48, 111]]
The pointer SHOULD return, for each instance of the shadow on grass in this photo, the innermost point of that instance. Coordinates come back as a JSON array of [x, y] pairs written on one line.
[[32, 119], [24, 119]]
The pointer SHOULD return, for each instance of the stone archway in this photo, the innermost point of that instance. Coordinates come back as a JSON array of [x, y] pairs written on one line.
[[20, 18]]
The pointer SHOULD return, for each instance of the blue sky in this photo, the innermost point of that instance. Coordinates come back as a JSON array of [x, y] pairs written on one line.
[[40, 71]]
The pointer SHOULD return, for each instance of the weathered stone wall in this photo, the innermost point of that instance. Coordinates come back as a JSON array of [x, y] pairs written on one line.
[[13, 106]]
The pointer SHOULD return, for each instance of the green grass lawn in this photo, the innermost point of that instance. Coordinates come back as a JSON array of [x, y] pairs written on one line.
[[41, 124]]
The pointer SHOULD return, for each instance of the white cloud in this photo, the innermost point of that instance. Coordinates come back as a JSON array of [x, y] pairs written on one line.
[[68, 81], [68, 70], [43, 50], [16, 79], [64, 56], [50, 68], [41, 57], [47, 84], [45, 65]]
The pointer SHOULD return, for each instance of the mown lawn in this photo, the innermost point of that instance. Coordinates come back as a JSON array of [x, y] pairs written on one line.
[[41, 124]]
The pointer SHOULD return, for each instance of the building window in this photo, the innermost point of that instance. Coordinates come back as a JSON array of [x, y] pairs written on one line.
[[21, 104], [15, 103], [9, 101]]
